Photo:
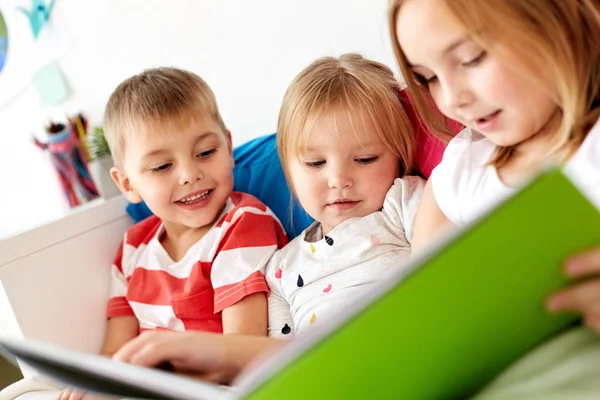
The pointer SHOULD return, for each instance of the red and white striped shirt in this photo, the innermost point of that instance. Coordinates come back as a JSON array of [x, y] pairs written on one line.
[[225, 266]]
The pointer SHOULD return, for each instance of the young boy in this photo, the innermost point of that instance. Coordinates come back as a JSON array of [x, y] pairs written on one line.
[[196, 264]]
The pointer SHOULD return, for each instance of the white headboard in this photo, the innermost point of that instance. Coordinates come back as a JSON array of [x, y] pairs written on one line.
[[54, 280]]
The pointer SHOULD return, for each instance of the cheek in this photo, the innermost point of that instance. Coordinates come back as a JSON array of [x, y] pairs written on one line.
[[156, 187], [221, 169], [382, 178], [435, 92], [152, 190], [226, 176], [380, 186], [389, 168], [500, 84], [306, 185], [510, 89], [437, 95]]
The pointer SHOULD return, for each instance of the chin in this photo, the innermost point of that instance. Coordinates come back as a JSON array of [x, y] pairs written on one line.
[[505, 139], [198, 225]]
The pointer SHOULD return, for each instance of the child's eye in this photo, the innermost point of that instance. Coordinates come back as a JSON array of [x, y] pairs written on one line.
[[367, 160], [206, 153], [161, 167], [425, 82], [314, 164], [475, 60]]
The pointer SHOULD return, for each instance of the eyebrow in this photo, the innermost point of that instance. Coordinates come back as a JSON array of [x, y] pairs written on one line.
[[205, 135], [312, 149], [153, 153], [453, 45], [158, 152]]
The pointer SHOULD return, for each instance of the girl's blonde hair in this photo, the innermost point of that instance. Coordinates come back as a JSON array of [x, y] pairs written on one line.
[[357, 87], [560, 37]]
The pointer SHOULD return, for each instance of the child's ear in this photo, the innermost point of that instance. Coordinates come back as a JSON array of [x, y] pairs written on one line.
[[229, 143], [124, 185], [230, 147]]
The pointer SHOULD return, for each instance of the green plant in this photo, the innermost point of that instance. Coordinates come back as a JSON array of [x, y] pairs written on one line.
[[97, 144]]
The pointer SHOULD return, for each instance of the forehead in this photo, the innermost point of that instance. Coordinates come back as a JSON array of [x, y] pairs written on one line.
[[341, 129], [425, 29], [173, 134], [186, 126]]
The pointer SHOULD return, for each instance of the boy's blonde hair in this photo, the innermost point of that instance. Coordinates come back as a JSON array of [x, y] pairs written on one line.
[[153, 99], [561, 37], [359, 87]]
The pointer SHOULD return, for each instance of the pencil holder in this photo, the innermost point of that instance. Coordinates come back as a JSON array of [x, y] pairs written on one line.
[[67, 157]]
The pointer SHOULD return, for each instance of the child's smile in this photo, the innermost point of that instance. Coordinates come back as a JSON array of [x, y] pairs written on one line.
[[182, 171], [196, 200]]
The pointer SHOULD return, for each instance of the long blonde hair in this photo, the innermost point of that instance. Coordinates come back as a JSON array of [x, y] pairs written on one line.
[[558, 36], [357, 86]]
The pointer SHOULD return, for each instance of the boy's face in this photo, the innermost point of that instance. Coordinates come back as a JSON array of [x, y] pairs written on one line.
[[182, 171]]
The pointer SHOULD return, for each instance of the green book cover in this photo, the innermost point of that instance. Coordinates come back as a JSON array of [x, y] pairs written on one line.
[[471, 306]]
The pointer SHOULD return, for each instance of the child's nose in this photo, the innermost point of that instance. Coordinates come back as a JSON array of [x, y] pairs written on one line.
[[190, 174], [456, 95], [340, 178]]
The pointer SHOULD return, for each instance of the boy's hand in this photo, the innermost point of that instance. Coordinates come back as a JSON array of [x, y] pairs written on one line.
[[78, 394], [196, 354], [583, 297], [208, 356], [70, 394]]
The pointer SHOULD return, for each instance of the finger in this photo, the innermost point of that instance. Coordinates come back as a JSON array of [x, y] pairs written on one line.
[[215, 377], [583, 298], [66, 393], [132, 347], [593, 321], [159, 349], [93, 396], [77, 395], [186, 351], [584, 264], [143, 350], [62, 394]]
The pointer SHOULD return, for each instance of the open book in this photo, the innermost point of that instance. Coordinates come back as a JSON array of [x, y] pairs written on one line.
[[471, 306]]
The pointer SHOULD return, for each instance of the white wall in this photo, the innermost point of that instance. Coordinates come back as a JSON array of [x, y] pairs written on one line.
[[248, 52]]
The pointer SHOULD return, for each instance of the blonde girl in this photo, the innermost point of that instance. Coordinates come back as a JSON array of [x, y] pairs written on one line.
[[524, 78]]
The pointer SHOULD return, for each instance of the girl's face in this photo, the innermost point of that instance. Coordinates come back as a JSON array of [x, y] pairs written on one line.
[[467, 83], [344, 172]]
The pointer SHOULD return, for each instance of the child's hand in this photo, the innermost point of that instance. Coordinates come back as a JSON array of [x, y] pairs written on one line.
[[78, 394], [71, 394], [197, 354], [582, 297], [208, 356]]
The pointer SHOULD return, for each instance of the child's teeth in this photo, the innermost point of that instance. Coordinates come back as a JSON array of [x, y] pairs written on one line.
[[194, 198]]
